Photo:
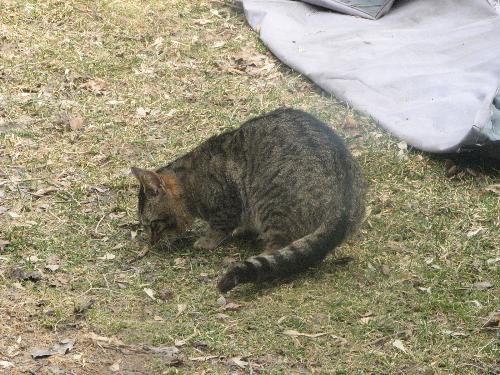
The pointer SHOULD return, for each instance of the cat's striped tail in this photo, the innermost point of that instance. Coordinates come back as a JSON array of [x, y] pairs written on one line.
[[296, 257]]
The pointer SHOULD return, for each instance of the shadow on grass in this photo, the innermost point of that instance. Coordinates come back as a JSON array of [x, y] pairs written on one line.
[[246, 245], [250, 291], [474, 163]]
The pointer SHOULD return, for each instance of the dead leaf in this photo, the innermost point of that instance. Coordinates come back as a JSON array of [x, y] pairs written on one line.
[[76, 123], [474, 232], [133, 234], [495, 188], [56, 370], [157, 43], [44, 191], [340, 340], [386, 271], [165, 294], [403, 150], [96, 85], [170, 113], [32, 259], [350, 122], [237, 361], [222, 316], [82, 307], [425, 290], [58, 280], [168, 350], [181, 307], [179, 262], [203, 277], [150, 293], [170, 354], [293, 333], [6, 364], [204, 358], [62, 347], [117, 215], [455, 334], [14, 215], [481, 285], [140, 255], [219, 44], [493, 321], [3, 244], [183, 342], [450, 168], [42, 353], [366, 319], [403, 146], [107, 256], [398, 344], [115, 102], [489, 262], [397, 247], [158, 318], [341, 262], [52, 267], [19, 274], [101, 340], [231, 306], [115, 367], [202, 21], [142, 112]]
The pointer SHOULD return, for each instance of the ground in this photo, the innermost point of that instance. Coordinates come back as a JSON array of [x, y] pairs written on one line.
[[89, 89]]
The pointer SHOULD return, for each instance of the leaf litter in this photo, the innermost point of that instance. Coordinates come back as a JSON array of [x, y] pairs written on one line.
[[492, 321], [293, 333], [231, 307], [398, 344], [481, 285], [151, 293], [3, 244], [62, 347], [6, 364], [18, 273], [97, 86]]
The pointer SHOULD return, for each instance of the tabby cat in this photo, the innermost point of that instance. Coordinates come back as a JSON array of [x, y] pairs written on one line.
[[284, 176]]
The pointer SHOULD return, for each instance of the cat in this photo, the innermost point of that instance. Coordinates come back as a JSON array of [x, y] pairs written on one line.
[[285, 176]]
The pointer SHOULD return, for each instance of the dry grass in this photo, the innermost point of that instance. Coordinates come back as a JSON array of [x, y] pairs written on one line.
[[88, 89]]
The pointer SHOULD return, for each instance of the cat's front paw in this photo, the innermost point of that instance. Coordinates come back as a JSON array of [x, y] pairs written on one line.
[[206, 243], [228, 281]]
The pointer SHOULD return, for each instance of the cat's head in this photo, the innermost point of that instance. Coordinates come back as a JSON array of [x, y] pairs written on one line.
[[161, 208]]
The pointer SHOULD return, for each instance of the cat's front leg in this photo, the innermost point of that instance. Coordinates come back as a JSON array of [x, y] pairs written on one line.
[[210, 240]]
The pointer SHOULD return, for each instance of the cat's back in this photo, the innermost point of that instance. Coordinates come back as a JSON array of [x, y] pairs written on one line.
[[303, 158], [292, 133]]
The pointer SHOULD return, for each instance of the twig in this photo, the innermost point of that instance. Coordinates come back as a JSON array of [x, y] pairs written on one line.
[[99, 223], [140, 255], [385, 338]]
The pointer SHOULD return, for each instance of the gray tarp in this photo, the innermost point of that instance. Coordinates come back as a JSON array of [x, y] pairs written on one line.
[[428, 71], [364, 8]]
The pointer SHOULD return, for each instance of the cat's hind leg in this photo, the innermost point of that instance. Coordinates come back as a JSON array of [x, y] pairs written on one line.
[[275, 240]]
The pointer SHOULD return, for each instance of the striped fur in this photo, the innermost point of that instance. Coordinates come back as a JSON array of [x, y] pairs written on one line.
[[285, 176]]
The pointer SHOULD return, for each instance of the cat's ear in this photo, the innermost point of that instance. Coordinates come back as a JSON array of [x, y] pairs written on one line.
[[149, 180]]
